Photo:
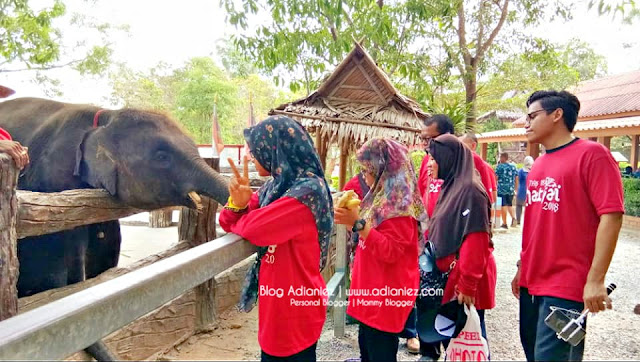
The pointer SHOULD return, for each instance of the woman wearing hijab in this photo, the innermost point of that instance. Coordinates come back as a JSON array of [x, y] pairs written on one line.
[[459, 229], [521, 185], [290, 220], [385, 275]]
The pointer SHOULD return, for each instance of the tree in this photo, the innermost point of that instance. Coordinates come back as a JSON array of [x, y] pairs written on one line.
[[541, 66], [626, 8], [29, 41], [420, 44]]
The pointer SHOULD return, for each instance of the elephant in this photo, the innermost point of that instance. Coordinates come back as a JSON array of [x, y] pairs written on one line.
[[142, 158]]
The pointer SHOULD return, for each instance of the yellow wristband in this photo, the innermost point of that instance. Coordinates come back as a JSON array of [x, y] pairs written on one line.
[[231, 205]]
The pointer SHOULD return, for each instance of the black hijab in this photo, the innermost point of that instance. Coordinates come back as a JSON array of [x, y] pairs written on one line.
[[463, 205]]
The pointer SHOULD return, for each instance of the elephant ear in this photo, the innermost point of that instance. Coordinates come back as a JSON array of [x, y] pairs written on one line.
[[96, 167]]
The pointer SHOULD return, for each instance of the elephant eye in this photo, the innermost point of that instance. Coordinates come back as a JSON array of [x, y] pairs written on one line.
[[161, 156]]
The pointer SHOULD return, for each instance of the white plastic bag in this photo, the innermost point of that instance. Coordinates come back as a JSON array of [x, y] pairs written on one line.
[[469, 345]]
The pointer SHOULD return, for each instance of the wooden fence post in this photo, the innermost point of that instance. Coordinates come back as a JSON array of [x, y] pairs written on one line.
[[8, 238], [199, 228], [161, 218]]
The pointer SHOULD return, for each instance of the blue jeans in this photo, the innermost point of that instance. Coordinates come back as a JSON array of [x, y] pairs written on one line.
[[410, 330], [539, 341]]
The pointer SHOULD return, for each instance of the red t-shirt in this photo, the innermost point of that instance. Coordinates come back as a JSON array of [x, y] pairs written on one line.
[[494, 183], [567, 191], [485, 175], [293, 297], [424, 180], [385, 278], [475, 271], [354, 184], [4, 135]]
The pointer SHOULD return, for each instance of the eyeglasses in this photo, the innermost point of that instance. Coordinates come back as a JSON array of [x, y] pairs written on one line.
[[532, 115]]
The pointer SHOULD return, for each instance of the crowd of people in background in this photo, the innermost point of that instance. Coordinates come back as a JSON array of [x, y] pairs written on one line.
[[569, 233]]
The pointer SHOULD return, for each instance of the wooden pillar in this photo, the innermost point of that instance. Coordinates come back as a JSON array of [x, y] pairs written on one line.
[[605, 141], [483, 150], [594, 139], [635, 141], [533, 150], [160, 218], [321, 147], [8, 238], [344, 158], [199, 228]]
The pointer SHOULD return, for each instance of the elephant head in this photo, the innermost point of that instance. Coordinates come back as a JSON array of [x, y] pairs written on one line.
[[147, 161]]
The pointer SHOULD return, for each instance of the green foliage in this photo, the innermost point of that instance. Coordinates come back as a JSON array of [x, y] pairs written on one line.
[[29, 41], [418, 43], [416, 157], [626, 8], [542, 66], [631, 196], [189, 93], [457, 109], [28, 36]]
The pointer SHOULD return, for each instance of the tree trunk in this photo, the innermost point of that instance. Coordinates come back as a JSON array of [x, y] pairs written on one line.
[[160, 218], [470, 86], [199, 228], [8, 238]]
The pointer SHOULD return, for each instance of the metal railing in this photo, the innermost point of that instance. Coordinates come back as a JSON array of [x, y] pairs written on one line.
[[63, 327]]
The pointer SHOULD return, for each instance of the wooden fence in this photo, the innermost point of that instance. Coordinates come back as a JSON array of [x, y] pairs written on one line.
[[88, 311]]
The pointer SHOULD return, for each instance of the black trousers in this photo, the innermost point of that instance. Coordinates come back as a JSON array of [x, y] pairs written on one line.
[[539, 341], [376, 345], [308, 354]]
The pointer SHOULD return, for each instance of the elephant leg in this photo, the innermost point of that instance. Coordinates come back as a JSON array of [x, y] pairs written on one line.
[[100, 352], [75, 253], [42, 264], [103, 250]]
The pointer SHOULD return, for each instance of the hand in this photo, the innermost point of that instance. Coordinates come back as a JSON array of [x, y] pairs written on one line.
[[515, 284], [346, 216], [239, 188], [466, 299], [16, 151], [595, 297]]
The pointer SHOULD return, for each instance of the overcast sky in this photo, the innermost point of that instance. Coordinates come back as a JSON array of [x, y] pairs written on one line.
[[174, 31]]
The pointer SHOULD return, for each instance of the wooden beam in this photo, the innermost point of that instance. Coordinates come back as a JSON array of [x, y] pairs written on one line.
[[356, 87], [199, 227], [8, 241], [364, 73], [344, 158], [348, 120], [605, 141], [483, 150], [359, 101], [635, 142], [533, 150], [47, 212], [344, 79]]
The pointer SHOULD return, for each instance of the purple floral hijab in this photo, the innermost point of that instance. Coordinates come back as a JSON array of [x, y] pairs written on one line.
[[394, 192]]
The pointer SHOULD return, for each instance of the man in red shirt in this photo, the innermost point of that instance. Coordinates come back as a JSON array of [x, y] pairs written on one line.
[[470, 140], [574, 214], [13, 149]]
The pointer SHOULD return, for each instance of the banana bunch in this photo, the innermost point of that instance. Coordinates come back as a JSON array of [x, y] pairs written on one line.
[[349, 200]]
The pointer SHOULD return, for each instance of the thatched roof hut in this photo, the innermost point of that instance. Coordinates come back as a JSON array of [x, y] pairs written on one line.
[[356, 103]]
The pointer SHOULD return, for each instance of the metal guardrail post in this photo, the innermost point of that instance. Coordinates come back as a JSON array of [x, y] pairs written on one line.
[[63, 327], [342, 255]]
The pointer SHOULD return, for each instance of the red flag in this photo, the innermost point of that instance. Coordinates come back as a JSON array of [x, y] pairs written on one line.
[[216, 137]]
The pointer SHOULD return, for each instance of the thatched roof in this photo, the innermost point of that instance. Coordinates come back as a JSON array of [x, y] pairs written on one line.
[[356, 103]]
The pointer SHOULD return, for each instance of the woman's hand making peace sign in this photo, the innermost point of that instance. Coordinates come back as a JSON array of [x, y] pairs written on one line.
[[239, 188]]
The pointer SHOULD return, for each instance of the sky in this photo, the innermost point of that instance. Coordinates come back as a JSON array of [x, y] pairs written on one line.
[[175, 31]]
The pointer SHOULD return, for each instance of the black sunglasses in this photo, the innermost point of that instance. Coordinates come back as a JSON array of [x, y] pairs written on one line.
[[532, 115]]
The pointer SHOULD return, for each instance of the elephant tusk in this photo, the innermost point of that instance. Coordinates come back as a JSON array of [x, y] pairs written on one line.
[[196, 200]]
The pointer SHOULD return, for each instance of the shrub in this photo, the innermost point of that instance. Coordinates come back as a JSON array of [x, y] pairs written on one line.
[[631, 196]]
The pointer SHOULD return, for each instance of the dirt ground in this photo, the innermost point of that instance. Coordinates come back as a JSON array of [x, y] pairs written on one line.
[[611, 335]]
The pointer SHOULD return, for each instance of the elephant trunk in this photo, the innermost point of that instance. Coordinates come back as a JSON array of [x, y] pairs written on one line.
[[208, 182]]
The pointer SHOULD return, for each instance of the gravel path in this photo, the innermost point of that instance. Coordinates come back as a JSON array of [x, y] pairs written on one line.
[[614, 335]]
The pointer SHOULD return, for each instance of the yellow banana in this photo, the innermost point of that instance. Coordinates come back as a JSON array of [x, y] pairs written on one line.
[[353, 203]]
